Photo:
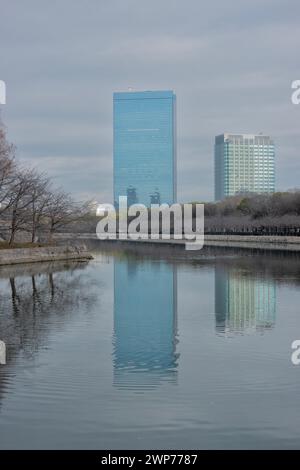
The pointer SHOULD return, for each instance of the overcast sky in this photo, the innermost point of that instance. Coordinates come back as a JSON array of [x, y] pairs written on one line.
[[230, 63]]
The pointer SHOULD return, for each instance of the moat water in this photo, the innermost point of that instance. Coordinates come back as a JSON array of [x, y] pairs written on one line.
[[151, 350]]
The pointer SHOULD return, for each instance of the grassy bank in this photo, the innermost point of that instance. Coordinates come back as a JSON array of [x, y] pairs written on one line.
[[7, 246]]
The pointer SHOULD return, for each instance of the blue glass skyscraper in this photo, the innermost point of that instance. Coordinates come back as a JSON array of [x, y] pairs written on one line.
[[145, 147]]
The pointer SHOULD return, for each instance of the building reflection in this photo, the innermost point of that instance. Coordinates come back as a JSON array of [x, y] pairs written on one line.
[[243, 304], [2, 353], [145, 324]]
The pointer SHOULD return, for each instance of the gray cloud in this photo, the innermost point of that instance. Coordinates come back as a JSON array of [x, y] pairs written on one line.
[[230, 63]]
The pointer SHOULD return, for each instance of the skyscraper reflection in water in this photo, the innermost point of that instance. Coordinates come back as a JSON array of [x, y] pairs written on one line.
[[145, 324], [243, 304]]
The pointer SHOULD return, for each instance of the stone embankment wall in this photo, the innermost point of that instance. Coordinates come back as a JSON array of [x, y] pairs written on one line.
[[49, 253]]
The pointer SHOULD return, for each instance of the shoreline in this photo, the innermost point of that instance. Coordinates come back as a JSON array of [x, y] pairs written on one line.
[[75, 252], [261, 242]]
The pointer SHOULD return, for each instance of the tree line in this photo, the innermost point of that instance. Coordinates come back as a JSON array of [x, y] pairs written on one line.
[[257, 214], [29, 203]]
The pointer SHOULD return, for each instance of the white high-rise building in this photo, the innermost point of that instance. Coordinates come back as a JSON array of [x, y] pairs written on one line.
[[244, 163]]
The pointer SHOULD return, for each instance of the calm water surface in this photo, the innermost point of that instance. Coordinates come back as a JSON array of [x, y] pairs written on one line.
[[151, 351]]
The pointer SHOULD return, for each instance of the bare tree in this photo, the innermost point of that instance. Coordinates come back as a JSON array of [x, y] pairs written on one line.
[[61, 211], [7, 172], [23, 193], [40, 198]]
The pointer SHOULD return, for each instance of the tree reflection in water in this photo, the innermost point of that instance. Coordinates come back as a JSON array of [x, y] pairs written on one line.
[[32, 294]]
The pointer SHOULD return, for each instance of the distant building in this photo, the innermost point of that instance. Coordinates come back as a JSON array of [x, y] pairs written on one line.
[[145, 147], [102, 209], [244, 163], [93, 206]]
